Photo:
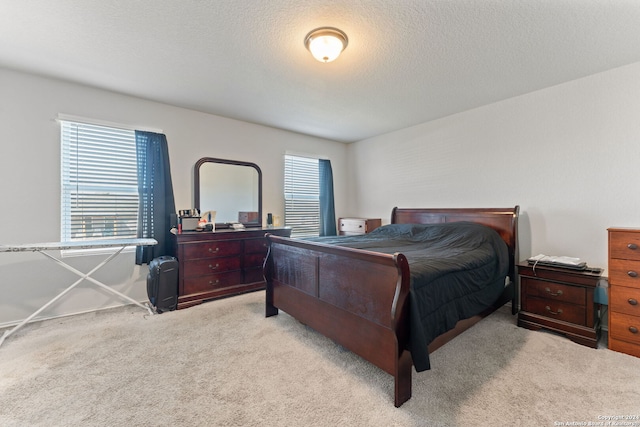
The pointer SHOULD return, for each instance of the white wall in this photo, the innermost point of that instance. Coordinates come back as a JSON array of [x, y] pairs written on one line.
[[568, 155], [30, 180]]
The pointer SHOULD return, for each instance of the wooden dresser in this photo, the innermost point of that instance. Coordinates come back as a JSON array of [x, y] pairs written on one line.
[[560, 300], [624, 290], [349, 226], [221, 263]]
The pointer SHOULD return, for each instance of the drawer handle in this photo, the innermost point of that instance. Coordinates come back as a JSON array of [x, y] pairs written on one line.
[[211, 250], [555, 313], [633, 329], [214, 268], [632, 246], [556, 294], [632, 301], [211, 282], [632, 273]]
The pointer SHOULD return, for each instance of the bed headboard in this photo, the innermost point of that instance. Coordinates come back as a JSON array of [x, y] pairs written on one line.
[[503, 220]]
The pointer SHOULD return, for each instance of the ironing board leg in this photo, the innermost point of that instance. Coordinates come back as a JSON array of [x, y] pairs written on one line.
[[83, 276]]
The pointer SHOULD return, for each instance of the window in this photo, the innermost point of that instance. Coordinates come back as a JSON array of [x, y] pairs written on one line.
[[301, 196], [99, 182]]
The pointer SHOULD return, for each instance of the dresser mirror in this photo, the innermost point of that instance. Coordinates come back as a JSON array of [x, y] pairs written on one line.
[[233, 189]]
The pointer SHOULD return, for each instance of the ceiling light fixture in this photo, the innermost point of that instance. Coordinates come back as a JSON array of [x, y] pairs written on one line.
[[326, 43]]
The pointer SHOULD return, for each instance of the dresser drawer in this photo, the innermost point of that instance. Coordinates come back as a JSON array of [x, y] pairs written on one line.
[[252, 246], [358, 225], [624, 300], [212, 282], [353, 225], [624, 272], [254, 260], [624, 245], [556, 310], [624, 327], [553, 291], [212, 249], [201, 267], [253, 275]]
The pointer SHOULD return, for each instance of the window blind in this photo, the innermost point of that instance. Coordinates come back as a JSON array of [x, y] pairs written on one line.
[[301, 196], [99, 182]]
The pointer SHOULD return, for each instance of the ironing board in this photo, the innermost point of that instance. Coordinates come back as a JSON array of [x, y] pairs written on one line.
[[42, 248]]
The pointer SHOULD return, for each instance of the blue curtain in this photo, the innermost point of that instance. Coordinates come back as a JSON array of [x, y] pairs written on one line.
[[157, 205], [327, 205]]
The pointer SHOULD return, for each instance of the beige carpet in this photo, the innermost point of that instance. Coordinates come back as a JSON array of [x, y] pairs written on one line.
[[224, 364]]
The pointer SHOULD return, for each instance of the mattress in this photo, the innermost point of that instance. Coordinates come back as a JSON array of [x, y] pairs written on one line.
[[457, 271]]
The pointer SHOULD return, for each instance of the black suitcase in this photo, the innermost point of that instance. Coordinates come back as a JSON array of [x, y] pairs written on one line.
[[162, 283]]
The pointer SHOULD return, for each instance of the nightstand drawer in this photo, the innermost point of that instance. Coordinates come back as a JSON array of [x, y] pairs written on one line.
[[553, 291], [624, 244], [624, 327], [624, 300], [556, 310], [624, 272]]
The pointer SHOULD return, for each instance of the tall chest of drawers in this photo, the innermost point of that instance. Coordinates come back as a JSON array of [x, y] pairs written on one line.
[[624, 290], [221, 263]]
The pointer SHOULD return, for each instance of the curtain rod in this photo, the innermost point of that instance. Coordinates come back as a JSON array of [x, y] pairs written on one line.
[[307, 155], [80, 119]]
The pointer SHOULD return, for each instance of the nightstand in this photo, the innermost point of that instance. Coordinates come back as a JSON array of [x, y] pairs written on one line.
[[560, 300], [349, 226], [624, 290]]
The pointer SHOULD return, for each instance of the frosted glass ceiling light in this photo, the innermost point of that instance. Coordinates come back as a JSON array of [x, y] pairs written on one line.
[[326, 43]]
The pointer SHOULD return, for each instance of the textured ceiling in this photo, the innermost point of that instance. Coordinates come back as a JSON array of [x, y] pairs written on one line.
[[408, 61]]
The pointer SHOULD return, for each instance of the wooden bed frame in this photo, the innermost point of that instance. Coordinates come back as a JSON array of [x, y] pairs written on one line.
[[359, 298]]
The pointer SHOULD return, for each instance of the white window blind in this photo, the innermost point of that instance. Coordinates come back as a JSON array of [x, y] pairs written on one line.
[[301, 196], [99, 182]]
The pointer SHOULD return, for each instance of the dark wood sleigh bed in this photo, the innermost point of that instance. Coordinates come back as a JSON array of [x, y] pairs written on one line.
[[359, 298]]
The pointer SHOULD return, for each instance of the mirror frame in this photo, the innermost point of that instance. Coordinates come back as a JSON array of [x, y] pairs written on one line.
[[196, 185]]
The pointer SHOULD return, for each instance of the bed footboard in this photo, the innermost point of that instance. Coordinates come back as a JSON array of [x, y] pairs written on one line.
[[357, 298]]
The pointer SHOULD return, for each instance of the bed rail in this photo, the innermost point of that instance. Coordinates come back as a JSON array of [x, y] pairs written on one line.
[[357, 298]]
